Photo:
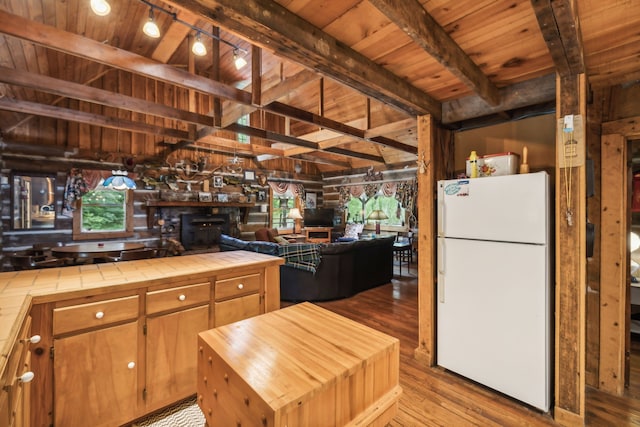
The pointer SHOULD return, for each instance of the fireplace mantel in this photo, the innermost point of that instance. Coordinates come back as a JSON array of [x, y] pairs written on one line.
[[153, 205]]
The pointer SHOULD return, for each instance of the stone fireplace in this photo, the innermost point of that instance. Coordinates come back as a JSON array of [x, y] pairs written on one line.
[[202, 231]]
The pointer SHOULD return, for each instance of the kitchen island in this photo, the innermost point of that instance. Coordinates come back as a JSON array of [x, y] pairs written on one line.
[[142, 310]]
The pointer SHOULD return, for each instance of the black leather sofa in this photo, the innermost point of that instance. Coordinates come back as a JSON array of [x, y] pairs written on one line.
[[345, 268]]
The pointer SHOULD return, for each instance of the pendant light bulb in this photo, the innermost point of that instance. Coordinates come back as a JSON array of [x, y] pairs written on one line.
[[238, 60], [198, 47], [150, 27], [100, 7]]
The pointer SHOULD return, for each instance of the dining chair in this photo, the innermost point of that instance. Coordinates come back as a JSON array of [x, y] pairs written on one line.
[[32, 262], [145, 253], [403, 249]]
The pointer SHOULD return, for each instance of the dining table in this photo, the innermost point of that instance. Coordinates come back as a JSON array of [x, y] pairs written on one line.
[[91, 251]]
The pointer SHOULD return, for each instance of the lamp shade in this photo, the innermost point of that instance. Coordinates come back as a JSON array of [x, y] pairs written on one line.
[[294, 214], [119, 181], [377, 215]]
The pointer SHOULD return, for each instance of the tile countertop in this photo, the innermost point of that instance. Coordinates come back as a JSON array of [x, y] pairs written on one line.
[[19, 290]]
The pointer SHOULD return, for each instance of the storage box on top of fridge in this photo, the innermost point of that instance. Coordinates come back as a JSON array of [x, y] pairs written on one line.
[[496, 164]]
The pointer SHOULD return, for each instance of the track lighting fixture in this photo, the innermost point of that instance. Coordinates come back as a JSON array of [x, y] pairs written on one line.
[[238, 60], [150, 27], [198, 47], [100, 7]]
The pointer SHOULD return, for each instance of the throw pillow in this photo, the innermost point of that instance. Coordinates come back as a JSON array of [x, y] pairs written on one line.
[[281, 240], [352, 230]]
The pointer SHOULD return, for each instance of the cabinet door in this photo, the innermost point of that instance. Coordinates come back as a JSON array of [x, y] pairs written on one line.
[[96, 377], [235, 309], [172, 355]]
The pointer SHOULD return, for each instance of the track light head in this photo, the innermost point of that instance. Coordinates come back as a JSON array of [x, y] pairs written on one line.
[[100, 7], [238, 60], [198, 47], [150, 27]]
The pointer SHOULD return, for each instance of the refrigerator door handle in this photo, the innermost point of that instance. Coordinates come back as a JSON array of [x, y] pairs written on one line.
[[441, 269], [440, 217]]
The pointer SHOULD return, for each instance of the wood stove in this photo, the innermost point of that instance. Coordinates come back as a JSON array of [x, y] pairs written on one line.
[[202, 231]]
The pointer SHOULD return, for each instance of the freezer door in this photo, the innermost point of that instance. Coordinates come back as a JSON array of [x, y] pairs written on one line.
[[512, 208], [493, 316]]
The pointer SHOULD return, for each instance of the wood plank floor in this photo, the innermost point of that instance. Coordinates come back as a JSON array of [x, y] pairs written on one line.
[[435, 397]]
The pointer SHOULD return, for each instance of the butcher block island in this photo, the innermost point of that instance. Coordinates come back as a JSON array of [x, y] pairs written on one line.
[[108, 343], [299, 366]]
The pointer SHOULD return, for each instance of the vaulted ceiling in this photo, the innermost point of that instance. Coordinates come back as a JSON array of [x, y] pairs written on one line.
[[335, 84]]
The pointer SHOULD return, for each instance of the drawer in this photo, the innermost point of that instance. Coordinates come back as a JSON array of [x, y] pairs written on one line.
[[177, 298], [237, 286], [92, 315], [228, 399], [236, 309]]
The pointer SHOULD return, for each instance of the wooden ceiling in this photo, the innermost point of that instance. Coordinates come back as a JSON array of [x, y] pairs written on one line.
[[334, 84]]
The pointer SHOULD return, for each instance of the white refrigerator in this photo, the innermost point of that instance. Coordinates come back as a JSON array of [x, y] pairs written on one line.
[[494, 284]]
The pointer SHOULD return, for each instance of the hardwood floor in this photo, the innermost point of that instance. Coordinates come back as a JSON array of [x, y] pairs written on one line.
[[435, 397]]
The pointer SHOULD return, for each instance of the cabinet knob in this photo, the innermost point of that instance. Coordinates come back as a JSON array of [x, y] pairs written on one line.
[[26, 377], [33, 340], [99, 315], [240, 286], [131, 365], [182, 297]]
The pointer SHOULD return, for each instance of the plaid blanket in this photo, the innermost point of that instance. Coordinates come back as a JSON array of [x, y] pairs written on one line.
[[304, 256]]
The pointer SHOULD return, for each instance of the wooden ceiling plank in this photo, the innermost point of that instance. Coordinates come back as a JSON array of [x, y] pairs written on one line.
[[273, 27], [87, 118], [414, 20], [531, 92], [561, 31], [99, 96], [76, 45]]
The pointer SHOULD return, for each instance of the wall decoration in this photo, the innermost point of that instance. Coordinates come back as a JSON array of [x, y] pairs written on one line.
[[203, 196], [249, 175], [311, 201], [217, 181], [262, 195], [222, 197]]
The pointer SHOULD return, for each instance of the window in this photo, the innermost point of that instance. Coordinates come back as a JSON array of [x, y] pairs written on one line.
[[358, 210], [244, 121], [103, 213], [280, 209]]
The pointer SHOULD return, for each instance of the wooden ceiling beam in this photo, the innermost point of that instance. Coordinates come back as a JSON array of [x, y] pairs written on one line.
[[558, 21], [308, 117], [531, 92], [88, 118], [414, 20], [81, 92], [273, 27], [233, 111]]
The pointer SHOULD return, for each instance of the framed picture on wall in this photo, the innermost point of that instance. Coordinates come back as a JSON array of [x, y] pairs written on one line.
[[262, 196], [217, 181], [311, 201], [249, 175], [204, 197]]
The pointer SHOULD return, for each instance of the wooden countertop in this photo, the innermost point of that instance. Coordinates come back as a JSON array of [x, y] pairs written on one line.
[[19, 290]]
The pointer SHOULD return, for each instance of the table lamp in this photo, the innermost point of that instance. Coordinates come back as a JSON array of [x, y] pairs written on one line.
[[377, 215], [295, 215]]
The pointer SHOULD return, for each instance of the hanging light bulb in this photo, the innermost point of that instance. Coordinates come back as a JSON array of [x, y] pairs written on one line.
[[150, 27], [198, 47], [238, 60], [100, 7]]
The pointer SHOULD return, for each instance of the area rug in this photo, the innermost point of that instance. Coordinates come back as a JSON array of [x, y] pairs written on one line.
[[183, 414]]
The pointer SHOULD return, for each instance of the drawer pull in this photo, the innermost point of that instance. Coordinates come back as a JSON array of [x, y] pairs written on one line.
[[99, 315], [240, 286], [246, 400], [33, 340], [26, 377], [131, 365], [226, 378], [182, 297]]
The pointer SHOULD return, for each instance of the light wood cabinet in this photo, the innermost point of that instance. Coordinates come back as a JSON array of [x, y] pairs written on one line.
[[15, 395], [95, 372], [174, 318], [116, 350], [238, 297]]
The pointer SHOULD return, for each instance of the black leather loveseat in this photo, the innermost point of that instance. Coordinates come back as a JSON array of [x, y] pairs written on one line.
[[345, 268]]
